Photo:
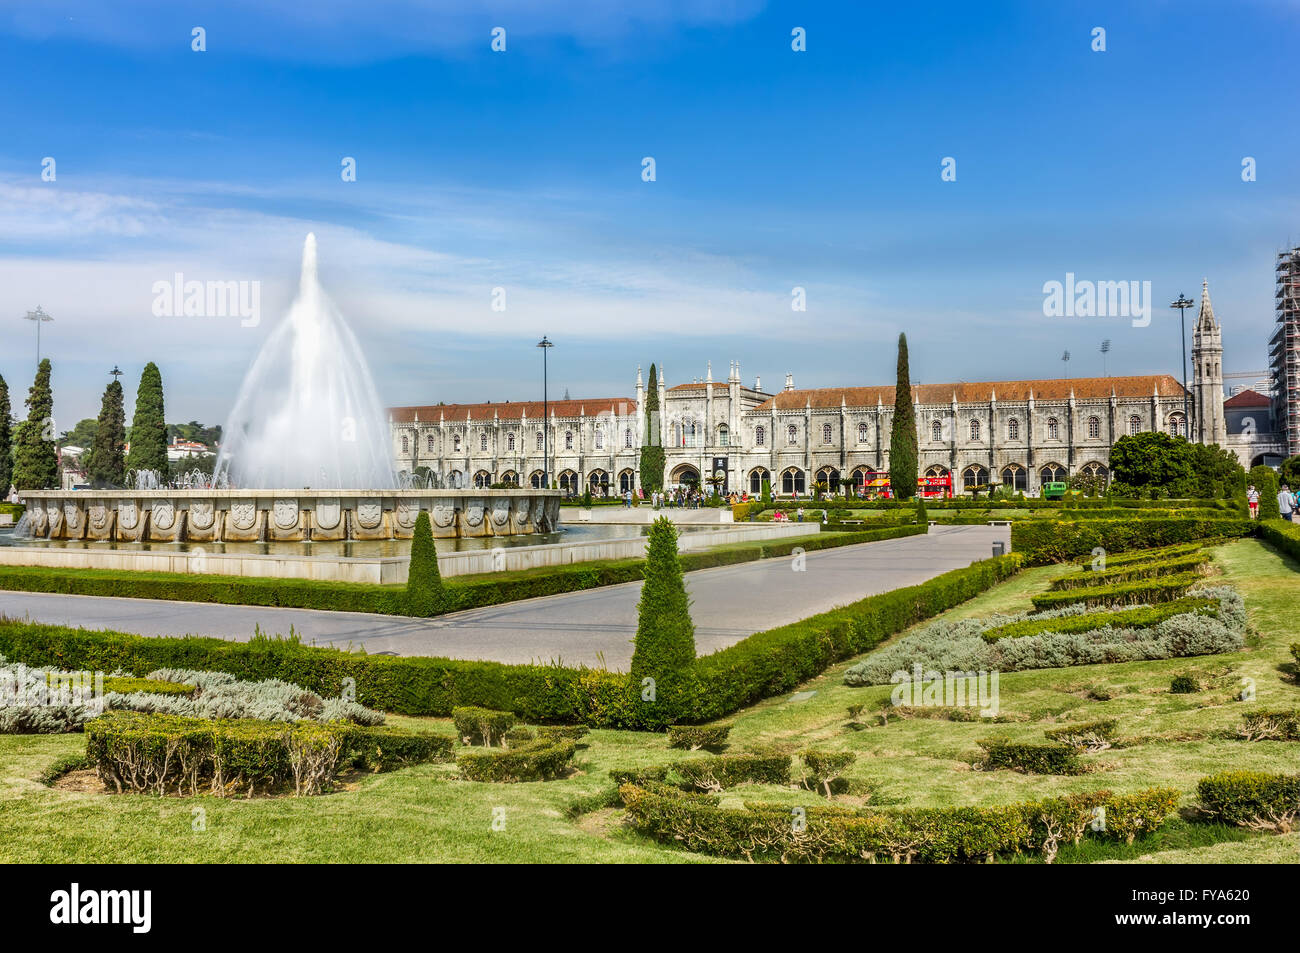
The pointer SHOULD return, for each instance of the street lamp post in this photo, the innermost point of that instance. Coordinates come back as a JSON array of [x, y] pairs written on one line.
[[40, 317], [545, 345], [1182, 304]]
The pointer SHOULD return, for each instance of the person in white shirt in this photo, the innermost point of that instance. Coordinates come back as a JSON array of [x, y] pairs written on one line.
[[1286, 503], [1252, 499]]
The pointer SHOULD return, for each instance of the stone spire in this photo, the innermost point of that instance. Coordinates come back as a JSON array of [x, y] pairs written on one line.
[[1206, 321], [1208, 423]]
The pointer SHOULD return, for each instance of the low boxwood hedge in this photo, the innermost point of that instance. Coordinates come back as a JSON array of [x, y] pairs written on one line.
[[696, 737], [719, 772], [482, 726], [1253, 799], [125, 685], [1129, 572], [1144, 555], [1049, 541], [828, 834], [1165, 589], [1281, 534], [765, 664], [169, 754], [1143, 617], [1053, 757], [543, 760]]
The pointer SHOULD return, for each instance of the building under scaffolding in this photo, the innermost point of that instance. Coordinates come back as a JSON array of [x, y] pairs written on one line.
[[1284, 350]]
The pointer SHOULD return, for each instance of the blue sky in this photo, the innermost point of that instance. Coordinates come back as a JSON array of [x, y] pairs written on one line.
[[522, 170]]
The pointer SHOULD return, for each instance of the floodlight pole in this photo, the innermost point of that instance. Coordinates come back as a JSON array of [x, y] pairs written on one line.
[[1182, 304], [545, 344]]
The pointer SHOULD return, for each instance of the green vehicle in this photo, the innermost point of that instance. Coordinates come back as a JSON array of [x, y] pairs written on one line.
[[1054, 491]]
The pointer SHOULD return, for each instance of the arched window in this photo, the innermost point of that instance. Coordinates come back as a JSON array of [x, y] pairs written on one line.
[[862, 433], [974, 429], [689, 433], [625, 482], [827, 433], [568, 440], [973, 476], [510, 442], [541, 440], [1094, 428], [428, 443], [792, 481], [1053, 429], [1013, 429], [406, 444], [627, 438], [482, 441], [600, 439], [455, 443], [1015, 478], [760, 436], [792, 434], [482, 479], [724, 436], [936, 431], [1176, 426], [1052, 473], [756, 478], [1135, 424]]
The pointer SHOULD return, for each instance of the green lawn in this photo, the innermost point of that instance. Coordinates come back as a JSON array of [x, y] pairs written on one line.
[[424, 814]]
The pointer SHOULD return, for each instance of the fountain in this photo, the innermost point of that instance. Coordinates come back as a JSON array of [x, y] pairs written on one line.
[[306, 455]]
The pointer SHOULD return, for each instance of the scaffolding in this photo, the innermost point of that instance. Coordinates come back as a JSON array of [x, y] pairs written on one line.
[[1284, 350]]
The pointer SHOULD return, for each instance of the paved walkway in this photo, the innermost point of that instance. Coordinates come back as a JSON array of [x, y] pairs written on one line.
[[593, 627]]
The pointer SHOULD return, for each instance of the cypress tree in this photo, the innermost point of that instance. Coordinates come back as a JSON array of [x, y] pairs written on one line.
[[665, 636], [902, 436], [424, 593], [1265, 481], [148, 426], [106, 463], [6, 439], [36, 460], [652, 451]]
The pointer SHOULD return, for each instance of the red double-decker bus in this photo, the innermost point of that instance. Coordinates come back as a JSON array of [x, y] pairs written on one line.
[[876, 487]]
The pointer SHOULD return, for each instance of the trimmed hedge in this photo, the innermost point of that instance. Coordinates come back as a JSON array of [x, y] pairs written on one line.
[[1129, 572], [457, 593], [1281, 534], [719, 772], [543, 760], [1145, 555], [1091, 736], [1251, 799], [125, 685], [771, 832], [1283, 725], [765, 664], [482, 726], [1144, 591], [1048, 541], [162, 754], [1143, 617], [695, 737], [1050, 758]]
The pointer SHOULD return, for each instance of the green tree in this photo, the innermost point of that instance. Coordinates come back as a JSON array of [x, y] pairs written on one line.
[[902, 436], [664, 646], [1216, 473], [1265, 481], [652, 451], [1150, 464], [82, 435], [148, 425], [1290, 474], [36, 460], [6, 439], [424, 591], [105, 463]]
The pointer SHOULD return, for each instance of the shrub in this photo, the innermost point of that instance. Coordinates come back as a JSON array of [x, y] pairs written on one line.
[[664, 647], [424, 590], [1252, 799], [1142, 617], [1130, 815], [574, 733], [519, 734], [1047, 541], [1281, 535], [695, 737], [1271, 725], [718, 772], [1050, 758], [825, 768], [1121, 593], [1184, 685], [1265, 481], [1129, 572], [1092, 736], [125, 685], [1144, 555], [540, 761], [170, 754], [482, 726]]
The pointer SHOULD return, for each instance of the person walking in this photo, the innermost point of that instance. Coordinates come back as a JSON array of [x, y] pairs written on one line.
[[1286, 503], [1252, 500]]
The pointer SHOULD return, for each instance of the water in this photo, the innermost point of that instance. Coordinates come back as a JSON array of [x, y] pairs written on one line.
[[307, 414]]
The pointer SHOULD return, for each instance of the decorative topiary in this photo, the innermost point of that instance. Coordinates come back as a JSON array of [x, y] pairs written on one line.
[[425, 595], [665, 635], [482, 726], [826, 769], [695, 737]]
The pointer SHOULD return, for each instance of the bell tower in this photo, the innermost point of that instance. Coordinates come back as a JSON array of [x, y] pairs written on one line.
[[1207, 375]]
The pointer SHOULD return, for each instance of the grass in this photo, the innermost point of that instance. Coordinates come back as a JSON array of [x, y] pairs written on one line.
[[424, 814]]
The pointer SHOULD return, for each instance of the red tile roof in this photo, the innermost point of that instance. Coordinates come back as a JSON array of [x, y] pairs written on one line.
[[513, 410], [1082, 387], [1247, 398]]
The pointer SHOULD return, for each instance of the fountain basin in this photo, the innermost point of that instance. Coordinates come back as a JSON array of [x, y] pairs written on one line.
[[284, 515]]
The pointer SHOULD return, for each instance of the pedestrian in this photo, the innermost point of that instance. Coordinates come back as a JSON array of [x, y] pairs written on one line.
[[1252, 500], [800, 513], [1286, 503]]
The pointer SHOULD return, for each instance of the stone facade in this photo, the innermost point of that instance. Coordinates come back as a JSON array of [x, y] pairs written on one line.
[[1018, 433]]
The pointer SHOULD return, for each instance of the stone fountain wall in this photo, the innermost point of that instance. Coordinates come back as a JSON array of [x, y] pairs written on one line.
[[272, 515]]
